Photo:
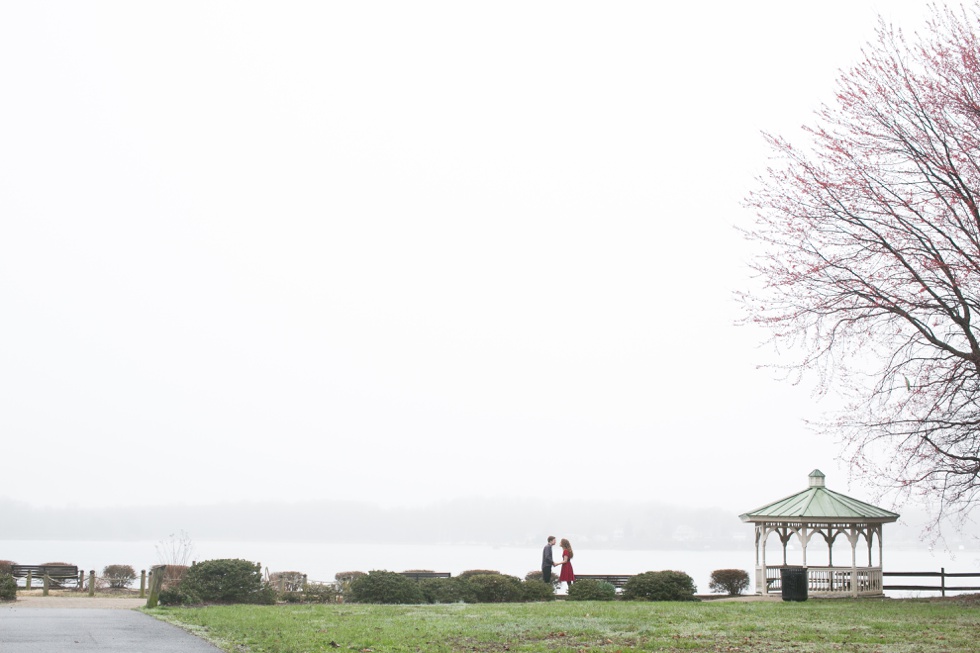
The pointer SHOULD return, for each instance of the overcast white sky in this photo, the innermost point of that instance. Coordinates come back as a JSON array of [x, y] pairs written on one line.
[[398, 251]]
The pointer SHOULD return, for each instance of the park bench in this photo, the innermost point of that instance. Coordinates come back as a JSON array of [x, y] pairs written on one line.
[[419, 575], [58, 575], [617, 580]]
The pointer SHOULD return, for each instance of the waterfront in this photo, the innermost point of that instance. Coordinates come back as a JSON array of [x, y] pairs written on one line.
[[322, 560]]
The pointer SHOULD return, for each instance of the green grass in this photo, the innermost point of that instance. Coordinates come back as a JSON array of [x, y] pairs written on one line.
[[906, 626]]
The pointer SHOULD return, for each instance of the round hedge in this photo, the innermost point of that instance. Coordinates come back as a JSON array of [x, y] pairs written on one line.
[[660, 586], [591, 590], [385, 587], [227, 581]]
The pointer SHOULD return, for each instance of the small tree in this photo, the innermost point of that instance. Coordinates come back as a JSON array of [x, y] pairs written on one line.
[[118, 576], [869, 259], [733, 581]]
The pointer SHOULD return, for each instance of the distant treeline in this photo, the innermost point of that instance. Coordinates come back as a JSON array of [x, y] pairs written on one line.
[[621, 525]]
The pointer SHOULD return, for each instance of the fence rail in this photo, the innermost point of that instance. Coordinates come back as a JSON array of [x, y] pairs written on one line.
[[942, 575]]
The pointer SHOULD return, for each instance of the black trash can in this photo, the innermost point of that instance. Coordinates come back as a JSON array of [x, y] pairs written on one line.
[[794, 583]]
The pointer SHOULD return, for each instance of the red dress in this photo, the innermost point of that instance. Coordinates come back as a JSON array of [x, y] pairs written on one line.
[[567, 575]]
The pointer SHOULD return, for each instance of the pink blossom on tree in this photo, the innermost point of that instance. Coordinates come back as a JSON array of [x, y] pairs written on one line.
[[870, 268]]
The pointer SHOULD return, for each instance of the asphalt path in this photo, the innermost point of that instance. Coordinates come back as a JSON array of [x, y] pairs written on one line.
[[53, 630]]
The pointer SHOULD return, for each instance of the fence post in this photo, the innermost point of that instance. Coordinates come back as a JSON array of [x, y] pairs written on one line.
[[942, 580], [91, 582], [156, 582], [30, 574], [45, 582], [142, 583]]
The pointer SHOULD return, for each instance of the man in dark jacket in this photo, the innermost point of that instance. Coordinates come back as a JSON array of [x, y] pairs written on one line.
[[547, 562]]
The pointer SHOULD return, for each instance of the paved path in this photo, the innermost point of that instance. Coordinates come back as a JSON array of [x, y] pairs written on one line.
[[77, 601], [49, 628]]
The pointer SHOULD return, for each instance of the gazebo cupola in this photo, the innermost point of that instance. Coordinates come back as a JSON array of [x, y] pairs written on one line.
[[830, 515]]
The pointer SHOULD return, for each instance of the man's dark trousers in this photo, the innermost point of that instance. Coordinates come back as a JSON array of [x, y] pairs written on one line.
[[546, 563]]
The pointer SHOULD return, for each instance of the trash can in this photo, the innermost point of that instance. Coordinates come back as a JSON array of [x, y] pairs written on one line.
[[794, 583]]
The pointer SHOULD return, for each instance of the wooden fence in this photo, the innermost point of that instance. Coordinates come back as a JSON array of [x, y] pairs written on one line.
[[942, 575]]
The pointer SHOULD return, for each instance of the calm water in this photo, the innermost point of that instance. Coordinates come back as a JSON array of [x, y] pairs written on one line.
[[320, 561]]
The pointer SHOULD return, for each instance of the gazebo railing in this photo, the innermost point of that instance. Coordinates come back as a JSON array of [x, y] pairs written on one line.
[[834, 581]]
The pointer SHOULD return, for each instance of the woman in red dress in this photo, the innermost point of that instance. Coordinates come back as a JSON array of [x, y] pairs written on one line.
[[567, 575]]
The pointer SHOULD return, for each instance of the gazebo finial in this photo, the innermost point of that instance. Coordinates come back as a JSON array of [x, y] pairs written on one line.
[[817, 478]]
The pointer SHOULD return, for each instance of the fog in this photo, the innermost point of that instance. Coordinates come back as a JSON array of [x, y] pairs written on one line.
[[463, 269]]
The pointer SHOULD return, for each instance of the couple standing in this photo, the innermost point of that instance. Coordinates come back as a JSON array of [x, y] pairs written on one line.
[[547, 562]]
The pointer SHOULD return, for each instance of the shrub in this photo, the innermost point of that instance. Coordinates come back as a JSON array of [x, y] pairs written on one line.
[[227, 581], [591, 590], [291, 597], [118, 576], [477, 572], [385, 587], [733, 581], [265, 596], [177, 596], [8, 588], [537, 575], [447, 590], [287, 581], [496, 588], [345, 578], [173, 574], [348, 576], [6, 566], [312, 593], [538, 590], [660, 586], [320, 593]]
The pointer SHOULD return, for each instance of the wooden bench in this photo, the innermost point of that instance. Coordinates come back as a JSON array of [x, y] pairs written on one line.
[[616, 580], [419, 575], [59, 575]]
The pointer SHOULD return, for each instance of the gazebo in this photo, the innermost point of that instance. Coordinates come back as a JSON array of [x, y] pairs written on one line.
[[819, 511]]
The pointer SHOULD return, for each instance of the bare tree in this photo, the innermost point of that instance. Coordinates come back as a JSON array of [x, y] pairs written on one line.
[[870, 259], [177, 549], [176, 552]]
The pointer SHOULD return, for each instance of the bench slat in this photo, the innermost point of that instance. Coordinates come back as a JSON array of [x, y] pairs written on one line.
[[617, 580], [60, 575], [60, 571]]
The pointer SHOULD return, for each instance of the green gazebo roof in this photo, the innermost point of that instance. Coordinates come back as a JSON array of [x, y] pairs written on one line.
[[817, 503]]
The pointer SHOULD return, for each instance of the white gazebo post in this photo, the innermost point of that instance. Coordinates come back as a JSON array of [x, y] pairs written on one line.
[[818, 510]]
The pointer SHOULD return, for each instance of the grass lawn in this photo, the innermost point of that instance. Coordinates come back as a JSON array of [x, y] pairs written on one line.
[[908, 625]]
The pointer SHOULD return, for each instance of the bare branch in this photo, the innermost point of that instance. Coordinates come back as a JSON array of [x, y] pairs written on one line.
[[871, 263]]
